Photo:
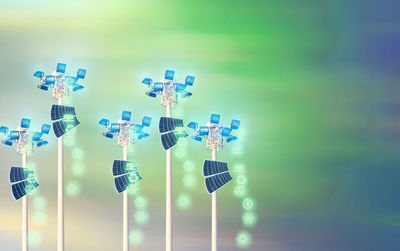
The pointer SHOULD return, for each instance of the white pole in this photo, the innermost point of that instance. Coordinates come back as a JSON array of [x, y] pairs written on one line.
[[168, 204], [60, 198], [126, 209], [24, 213], [214, 211]]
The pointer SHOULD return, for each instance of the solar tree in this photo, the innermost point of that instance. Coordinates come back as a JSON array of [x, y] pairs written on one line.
[[64, 120], [169, 90], [125, 172], [23, 180], [216, 173]]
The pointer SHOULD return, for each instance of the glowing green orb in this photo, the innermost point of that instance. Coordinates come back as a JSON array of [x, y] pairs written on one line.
[[240, 191], [73, 189], [184, 202], [189, 181], [141, 217], [180, 153], [243, 239], [136, 237], [77, 153], [34, 237], [141, 202], [182, 142], [133, 189], [249, 204], [241, 179], [69, 139], [188, 166], [40, 217], [78, 169], [249, 219], [39, 202]]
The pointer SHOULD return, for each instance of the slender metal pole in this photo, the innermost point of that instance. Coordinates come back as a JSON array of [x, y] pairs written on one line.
[[214, 233], [168, 197], [60, 197], [24, 213], [126, 209]]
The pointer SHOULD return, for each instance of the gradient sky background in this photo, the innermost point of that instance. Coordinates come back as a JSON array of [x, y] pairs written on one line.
[[314, 82]]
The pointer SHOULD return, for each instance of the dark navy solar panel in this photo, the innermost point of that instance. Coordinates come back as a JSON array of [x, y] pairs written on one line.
[[122, 182], [20, 173], [123, 167], [168, 140], [63, 126], [58, 111], [212, 167], [20, 189], [169, 124], [213, 183]]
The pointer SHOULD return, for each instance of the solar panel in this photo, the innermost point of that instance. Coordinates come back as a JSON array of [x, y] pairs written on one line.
[[143, 135], [215, 182], [212, 167], [158, 87], [63, 126], [43, 87], [193, 125], [180, 87], [115, 127], [81, 73], [189, 80], [4, 129], [49, 80], [169, 74], [59, 111], [147, 81], [169, 124], [202, 131], [231, 138], [20, 189], [170, 139], [38, 74], [104, 122], [14, 135], [77, 88], [151, 94], [7, 142], [123, 167], [137, 128], [42, 143], [122, 182], [20, 173], [146, 121], [108, 135]]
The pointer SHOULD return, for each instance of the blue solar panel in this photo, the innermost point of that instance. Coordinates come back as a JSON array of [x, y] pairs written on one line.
[[45, 129], [147, 81], [121, 167], [122, 182], [186, 94], [20, 189], [14, 135], [61, 111], [49, 80], [189, 80], [61, 67], [169, 74], [36, 136], [108, 135], [25, 123], [197, 138], [231, 138], [126, 116], [212, 167], [146, 121], [43, 87], [4, 129], [115, 127], [169, 124], [63, 126], [225, 131], [137, 128], [81, 73], [213, 183], [19, 173], [193, 125], [38, 74], [235, 124], [214, 118], [158, 87]]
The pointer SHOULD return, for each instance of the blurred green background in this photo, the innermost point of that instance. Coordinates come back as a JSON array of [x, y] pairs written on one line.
[[314, 83]]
